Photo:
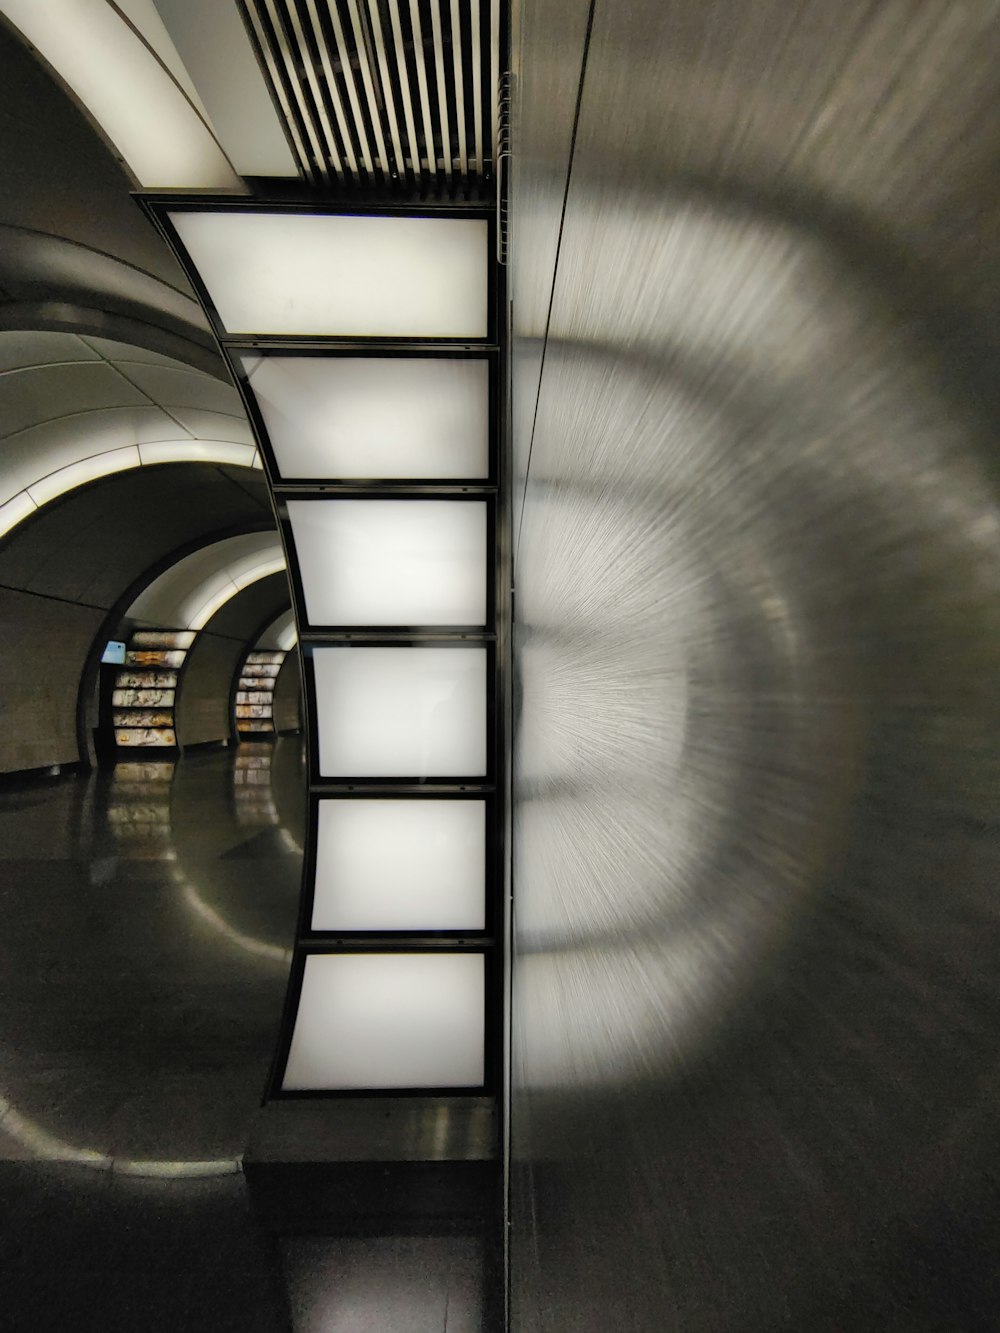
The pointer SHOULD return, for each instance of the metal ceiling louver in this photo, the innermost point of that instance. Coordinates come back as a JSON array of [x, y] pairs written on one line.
[[388, 96]]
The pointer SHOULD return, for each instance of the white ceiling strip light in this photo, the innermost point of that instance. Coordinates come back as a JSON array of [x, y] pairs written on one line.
[[197, 612], [86, 469], [197, 451], [130, 92], [277, 633], [15, 511]]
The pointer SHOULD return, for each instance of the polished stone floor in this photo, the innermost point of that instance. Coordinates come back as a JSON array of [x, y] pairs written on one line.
[[148, 913]]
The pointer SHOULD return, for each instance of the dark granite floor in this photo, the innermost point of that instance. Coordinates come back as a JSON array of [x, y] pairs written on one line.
[[148, 913]]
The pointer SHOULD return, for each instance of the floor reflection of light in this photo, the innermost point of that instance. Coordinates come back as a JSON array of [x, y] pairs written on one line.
[[291, 842], [259, 948], [138, 810], [138, 818], [384, 1282], [252, 794], [47, 1146]]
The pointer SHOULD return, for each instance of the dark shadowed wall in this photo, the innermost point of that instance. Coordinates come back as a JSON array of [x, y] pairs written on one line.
[[288, 694], [203, 712], [45, 645], [756, 856]]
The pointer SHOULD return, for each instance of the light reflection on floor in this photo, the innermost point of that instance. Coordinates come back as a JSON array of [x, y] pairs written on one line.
[[148, 916]]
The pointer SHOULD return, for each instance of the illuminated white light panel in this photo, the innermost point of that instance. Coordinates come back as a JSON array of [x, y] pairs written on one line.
[[310, 273], [411, 1020], [400, 865], [374, 417], [401, 712], [391, 562]]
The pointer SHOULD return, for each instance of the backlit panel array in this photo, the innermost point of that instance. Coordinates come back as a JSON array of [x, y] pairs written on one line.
[[145, 689], [362, 344], [253, 704]]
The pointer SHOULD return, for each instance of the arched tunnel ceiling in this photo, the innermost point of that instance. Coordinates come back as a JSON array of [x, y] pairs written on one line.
[[102, 347], [69, 397], [91, 545], [75, 249], [241, 617], [187, 594]]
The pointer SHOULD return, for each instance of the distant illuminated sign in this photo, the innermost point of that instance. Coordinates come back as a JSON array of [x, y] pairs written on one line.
[[114, 652]]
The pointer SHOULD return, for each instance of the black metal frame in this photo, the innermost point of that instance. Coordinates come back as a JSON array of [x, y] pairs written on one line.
[[392, 350], [489, 786]]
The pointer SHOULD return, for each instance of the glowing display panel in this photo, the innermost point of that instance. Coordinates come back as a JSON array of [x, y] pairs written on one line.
[[374, 417], [401, 712], [391, 562], [408, 1020], [321, 274], [400, 865]]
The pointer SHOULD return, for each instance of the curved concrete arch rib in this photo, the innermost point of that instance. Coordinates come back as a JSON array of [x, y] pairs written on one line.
[[281, 634], [190, 592], [75, 408]]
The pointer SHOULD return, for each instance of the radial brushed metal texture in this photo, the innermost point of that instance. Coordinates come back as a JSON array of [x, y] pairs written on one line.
[[757, 752]]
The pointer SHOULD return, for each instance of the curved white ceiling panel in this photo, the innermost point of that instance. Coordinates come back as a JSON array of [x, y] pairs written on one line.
[[219, 60], [32, 454], [281, 634], [76, 408], [189, 593], [128, 89]]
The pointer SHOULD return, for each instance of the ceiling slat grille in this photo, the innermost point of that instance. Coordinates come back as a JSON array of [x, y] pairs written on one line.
[[385, 95]]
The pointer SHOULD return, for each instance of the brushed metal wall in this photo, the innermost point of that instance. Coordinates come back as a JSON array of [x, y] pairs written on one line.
[[755, 259]]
